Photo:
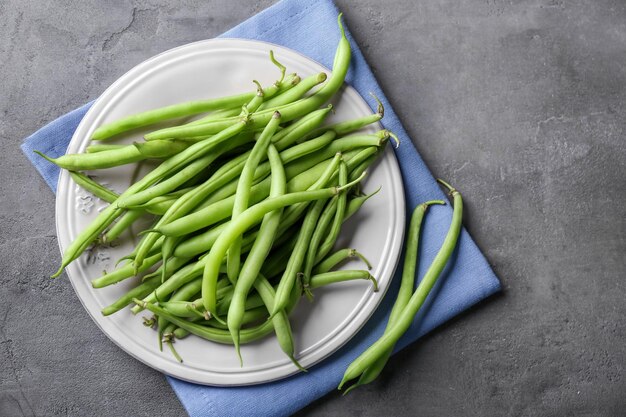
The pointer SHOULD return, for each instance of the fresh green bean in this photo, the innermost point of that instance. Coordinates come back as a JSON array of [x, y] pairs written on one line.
[[286, 284], [242, 195], [277, 261], [99, 147], [282, 327], [342, 128], [90, 185], [295, 93], [229, 171], [122, 225], [254, 315], [405, 318], [116, 157], [335, 227], [260, 248], [320, 280], [328, 213], [341, 255], [253, 301]]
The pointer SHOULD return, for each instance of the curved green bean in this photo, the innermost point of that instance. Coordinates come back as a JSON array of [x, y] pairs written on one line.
[[260, 248], [341, 255], [405, 318], [242, 195]]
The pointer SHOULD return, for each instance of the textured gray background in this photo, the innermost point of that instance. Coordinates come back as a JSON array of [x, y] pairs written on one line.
[[518, 103]]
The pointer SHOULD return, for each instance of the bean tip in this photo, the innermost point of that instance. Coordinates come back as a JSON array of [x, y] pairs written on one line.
[[451, 189], [340, 23], [380, 109]]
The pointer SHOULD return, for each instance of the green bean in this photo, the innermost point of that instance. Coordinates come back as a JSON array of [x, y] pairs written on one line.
[[139, 291], [295, 93], [405, 291], [158, 205], [340, 211], [186, 309], [296, 130], [357, 202], [187, 291], [289, 111], [283, 139], [296, 259], [332, 260], [180, 333], [171, 112], [320, 280], [247, 219], [363, 166], [316, 239], [404, 319], [93, 187], [116, 157], [260, 248], [242, 195], [122, 225], [349, 126], [281, 323], [166, 251], [124, 272], [99, 147]]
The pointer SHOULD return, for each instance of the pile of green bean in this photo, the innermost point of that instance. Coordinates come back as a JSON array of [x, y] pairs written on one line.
[[248, 202]]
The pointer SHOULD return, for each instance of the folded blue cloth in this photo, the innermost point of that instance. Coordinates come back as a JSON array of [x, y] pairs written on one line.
[[310, 27]]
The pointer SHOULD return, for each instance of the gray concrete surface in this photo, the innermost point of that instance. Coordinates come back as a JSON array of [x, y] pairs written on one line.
[[521, 104]]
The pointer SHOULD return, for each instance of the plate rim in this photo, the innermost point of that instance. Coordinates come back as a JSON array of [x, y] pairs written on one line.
[[238, 379]]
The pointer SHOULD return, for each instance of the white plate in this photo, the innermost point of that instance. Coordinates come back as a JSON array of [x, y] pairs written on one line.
[[215, 68]]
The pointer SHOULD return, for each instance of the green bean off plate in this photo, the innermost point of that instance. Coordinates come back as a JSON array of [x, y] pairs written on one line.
[[201, 70]]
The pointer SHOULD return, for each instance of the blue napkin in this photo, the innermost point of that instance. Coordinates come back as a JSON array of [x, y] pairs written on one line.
[[310, 27]]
